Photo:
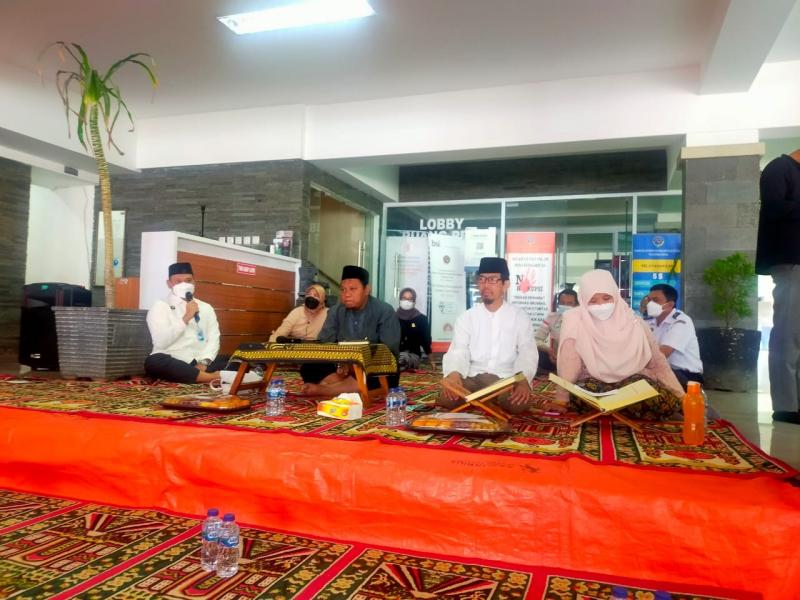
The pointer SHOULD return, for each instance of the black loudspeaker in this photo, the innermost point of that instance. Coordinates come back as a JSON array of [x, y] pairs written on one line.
[[38, 344]]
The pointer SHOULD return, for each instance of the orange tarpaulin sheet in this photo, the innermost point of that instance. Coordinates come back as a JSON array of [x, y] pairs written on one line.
[[684, 527]]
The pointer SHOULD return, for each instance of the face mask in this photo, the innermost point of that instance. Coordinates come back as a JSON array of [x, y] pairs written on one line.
[[562, 308], [654, 309], [311, 302], [601, 312], [180, 289], [406, 304]]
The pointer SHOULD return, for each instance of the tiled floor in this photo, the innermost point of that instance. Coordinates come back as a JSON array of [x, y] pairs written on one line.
[[750, 412]]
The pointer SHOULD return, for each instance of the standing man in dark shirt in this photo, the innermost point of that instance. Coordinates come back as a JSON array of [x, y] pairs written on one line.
[[415, 334], [778, 254], [357, 317]]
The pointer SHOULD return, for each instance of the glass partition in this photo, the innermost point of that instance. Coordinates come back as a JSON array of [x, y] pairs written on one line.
[[435, 250], [549, 243]]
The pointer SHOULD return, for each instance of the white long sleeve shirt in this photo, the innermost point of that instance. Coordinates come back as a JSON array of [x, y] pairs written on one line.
[[197, 340], [500, 342]]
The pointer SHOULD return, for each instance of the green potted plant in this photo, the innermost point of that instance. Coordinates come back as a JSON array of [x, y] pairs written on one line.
[[102, 342], [730, 353]]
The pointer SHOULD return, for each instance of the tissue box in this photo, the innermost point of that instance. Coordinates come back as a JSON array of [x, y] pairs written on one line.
[[345, 406]]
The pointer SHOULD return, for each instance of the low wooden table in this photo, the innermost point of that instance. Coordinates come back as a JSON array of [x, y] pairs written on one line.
[[374, 360]]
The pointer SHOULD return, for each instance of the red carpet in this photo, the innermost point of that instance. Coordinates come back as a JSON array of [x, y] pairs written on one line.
[[61, 549]]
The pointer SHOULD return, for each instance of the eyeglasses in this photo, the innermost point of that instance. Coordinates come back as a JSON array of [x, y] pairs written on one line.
[[489, 280]]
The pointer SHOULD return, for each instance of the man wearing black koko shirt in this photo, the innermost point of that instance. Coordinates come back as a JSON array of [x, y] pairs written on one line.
[[357, 317]]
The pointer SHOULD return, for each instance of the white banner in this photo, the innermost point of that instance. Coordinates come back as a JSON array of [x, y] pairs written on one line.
[[530, 259], [406, 266], [479, 243], [448, 285]]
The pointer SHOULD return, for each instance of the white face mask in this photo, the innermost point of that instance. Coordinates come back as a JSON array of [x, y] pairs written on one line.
[[406, 304], [654, 309], [180, 289], [562, 308], [601, 312]]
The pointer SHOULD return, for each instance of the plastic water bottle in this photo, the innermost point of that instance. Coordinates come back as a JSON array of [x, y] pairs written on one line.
[[275, 395], [228, 554], [694, 415], [401, 417], [210, 539], [619, 593], [395, 407]]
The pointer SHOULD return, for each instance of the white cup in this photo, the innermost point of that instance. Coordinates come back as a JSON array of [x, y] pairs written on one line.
[[224, 383]]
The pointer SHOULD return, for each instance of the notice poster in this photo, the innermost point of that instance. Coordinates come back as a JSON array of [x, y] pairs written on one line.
[[448, 286], [656, 259], [531, 258], [406, 266], [479, 243]]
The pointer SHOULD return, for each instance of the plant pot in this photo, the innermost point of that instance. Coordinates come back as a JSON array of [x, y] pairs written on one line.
[[99, 342], [730, 358]]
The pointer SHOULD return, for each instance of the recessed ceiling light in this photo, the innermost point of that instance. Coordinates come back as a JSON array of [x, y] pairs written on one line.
[[298, 14]]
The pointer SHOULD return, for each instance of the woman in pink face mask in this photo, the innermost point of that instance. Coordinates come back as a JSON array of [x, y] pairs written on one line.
[[605, 346]]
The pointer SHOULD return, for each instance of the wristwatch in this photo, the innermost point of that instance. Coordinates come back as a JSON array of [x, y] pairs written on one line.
[[205, 362]]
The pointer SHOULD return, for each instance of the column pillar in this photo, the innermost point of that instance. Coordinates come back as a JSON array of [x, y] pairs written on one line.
[[720, 217]]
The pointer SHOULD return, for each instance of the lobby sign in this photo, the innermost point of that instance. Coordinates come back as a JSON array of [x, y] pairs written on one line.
[[531, 259], [406, 266], [448, 286], [656, 259]]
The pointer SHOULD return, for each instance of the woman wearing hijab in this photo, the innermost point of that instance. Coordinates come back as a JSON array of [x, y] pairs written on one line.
[[415, 335], [304, 322], [604, 346]]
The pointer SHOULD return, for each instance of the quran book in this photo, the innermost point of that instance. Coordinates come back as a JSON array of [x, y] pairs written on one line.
[[498, 385], [625, 396]]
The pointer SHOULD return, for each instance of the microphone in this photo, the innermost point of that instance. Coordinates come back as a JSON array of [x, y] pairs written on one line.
[[189, 298]]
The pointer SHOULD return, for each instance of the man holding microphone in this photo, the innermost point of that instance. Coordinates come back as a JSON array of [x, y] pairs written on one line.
[[185, 333]]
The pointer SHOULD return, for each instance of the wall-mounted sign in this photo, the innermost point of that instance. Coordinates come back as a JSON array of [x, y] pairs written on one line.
[[531, 259], [656, 259], [245, 269]]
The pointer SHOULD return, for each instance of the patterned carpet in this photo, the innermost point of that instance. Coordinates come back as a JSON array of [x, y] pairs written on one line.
[[59, 549], [658, 445]]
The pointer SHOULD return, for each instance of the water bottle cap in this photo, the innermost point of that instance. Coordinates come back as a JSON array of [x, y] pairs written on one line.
[[212, 512], [229, 517], [693, 387]]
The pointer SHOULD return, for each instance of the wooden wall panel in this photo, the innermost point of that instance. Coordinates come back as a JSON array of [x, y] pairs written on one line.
[[126, 291], [241, 321], [248, 307], [221, 295], [221, 270]]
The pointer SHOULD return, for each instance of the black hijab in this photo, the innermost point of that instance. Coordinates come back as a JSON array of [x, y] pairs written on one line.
[[408, 315]]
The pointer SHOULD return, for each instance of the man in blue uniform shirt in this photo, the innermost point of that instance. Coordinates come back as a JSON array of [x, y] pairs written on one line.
[[674, 332]]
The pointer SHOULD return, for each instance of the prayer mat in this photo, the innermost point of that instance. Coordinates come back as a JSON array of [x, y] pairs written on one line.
[[658, 445], [724, 449], [95, 552]]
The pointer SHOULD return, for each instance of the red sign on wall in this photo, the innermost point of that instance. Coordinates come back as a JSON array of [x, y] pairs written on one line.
[[245, 269]]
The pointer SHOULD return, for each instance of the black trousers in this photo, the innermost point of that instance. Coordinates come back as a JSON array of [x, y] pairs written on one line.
[[684, 377], [316, 372], [163, 366]]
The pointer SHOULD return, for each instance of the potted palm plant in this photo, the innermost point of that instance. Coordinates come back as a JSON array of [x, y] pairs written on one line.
[[101, 342], [730, 353]]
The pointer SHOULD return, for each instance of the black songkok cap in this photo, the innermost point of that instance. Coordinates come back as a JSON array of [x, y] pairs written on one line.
[[180, 269], [493, 264], [354, 272]]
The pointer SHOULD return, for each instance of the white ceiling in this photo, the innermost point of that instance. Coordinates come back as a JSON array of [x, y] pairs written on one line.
[[410, 46]]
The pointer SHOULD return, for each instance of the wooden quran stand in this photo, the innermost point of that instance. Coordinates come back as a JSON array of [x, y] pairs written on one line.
[[611, 413], [484, 398]]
